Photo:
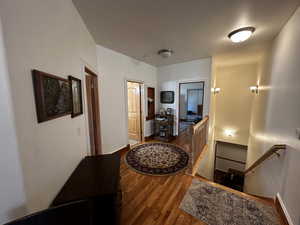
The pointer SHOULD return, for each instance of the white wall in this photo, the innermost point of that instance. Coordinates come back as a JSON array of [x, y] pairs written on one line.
[[114, 68], [48, 36], [275, 117], [170, 76], [12, 194]]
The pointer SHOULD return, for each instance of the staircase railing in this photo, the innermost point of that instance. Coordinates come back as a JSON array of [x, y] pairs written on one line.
[[194, 140], [273, 150], [196, 136], [199, 138]]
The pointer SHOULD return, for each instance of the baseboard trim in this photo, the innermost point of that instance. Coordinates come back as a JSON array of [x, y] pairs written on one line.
[[281, 209]]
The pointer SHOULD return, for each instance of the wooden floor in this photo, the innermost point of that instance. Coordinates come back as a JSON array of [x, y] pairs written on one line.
[[153, 200], [150, 200]]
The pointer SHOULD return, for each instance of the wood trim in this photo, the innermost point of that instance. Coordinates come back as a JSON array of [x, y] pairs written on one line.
[[273, 150], [97, 115], [94, 112], [232, 160], [281, 213], [90, 72], [245, 147], [151, 105]]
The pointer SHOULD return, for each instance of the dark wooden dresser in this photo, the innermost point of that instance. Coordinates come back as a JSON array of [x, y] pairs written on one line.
[[97, 180]]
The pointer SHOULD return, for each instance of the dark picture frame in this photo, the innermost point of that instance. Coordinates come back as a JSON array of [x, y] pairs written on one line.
[[167, 97], [76, 96], [52, 96]]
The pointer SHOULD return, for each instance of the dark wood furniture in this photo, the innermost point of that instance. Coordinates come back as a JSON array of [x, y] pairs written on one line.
[[163, 127], [151, 103], [91, 196], [75, 213], [96, 179]]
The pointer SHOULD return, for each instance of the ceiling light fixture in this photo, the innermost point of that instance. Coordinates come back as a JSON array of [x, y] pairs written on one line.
[[241, 34], [165, 53]]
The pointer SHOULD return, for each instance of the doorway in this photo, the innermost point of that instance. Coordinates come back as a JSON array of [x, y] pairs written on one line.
[[92, 95], [191, 100], [134, 112]]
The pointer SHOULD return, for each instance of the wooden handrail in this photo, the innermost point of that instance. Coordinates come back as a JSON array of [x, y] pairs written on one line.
[[273, 150], [200, 124]]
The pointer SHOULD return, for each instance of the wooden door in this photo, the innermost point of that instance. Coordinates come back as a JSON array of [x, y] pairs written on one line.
[[93, 113], [134, 111]]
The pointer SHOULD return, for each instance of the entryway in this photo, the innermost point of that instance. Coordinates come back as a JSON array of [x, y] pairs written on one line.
[[92, 96], [191, 97], [134, 101]]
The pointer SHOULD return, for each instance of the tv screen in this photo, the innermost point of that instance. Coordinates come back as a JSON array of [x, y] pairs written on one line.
[[167, 97]]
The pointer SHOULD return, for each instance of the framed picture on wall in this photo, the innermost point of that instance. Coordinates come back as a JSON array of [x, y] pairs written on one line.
[[52, 96], [76, 96]]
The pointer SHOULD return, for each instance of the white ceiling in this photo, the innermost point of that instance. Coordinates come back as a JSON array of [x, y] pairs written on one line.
[[193, 29]]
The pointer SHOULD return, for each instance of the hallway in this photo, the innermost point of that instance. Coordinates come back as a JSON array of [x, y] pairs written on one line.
[[149, 200]]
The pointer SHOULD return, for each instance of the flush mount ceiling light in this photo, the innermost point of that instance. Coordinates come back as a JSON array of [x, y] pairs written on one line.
[[241, 34], [165, 53]]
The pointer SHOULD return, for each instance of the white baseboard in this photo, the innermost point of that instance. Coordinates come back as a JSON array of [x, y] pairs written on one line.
[[286, 213]]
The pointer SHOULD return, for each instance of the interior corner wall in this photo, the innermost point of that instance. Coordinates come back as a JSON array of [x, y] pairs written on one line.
[[275, 118], [114, 69], [237, 61], [49, 36], [170, 76], [12, 195], [234, 101]]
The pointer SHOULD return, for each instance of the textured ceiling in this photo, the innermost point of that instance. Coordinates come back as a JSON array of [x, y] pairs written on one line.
[[193, 29]]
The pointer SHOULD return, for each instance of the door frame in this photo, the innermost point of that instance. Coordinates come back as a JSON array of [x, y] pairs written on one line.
[[178, 97], [98, 150], [142, 105]]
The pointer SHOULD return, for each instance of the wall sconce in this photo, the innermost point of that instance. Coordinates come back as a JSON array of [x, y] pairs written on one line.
[[254, 89], [215, 90], [229, 133]]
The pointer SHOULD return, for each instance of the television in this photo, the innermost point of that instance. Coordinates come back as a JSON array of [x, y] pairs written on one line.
[[167, 97]]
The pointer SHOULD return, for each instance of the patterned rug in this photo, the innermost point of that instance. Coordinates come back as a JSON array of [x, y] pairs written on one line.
[[216, 206], [157, 159]]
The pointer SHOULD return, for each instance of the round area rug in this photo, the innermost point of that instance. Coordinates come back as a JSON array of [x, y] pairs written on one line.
[[157, 159]]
